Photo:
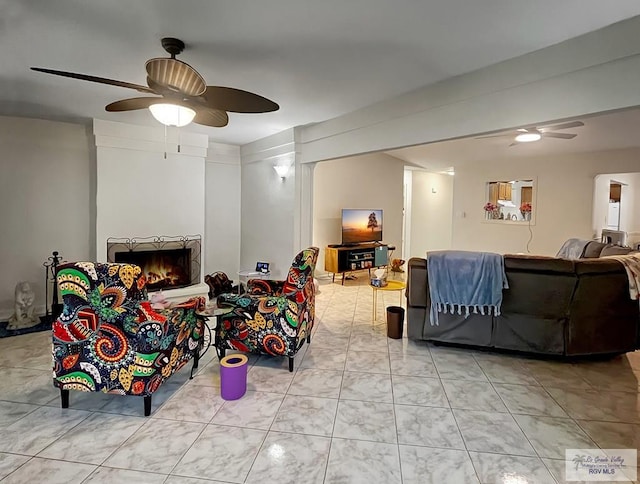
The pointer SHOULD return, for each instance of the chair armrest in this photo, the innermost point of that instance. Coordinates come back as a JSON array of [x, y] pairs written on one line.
[[198, 303], [166, 328], [228, 299], [265, 287], [263, 310], [261, 324]]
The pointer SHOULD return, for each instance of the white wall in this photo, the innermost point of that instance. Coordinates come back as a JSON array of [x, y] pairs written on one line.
[[600, 203], [268, 208], [222, 209], [45, 201], [370, 181], [563, 200], [266, 218], [431, 212]]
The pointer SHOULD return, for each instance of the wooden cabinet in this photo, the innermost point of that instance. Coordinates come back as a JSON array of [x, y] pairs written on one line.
[[342, 259], [499, 191], [493, 193], [504, 191], [615, 190]]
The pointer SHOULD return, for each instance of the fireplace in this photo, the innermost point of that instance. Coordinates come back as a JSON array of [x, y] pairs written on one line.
[[164, 269], [166, 262]]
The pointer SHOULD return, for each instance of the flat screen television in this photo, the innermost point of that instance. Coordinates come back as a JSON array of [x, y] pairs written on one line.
[[361, 225]]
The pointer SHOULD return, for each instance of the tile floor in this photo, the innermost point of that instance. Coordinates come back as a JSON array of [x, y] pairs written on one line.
[[359, 408]]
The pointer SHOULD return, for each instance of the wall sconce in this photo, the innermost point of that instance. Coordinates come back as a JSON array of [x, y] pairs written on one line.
[[281, 170]]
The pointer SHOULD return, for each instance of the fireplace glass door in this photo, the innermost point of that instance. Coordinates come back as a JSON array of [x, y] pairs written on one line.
[[163, 269]]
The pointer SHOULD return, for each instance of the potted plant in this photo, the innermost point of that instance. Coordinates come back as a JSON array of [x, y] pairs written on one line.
[[490, 210], [525, 210]]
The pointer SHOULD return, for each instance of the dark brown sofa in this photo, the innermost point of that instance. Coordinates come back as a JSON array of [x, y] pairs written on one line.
[[553, 306]]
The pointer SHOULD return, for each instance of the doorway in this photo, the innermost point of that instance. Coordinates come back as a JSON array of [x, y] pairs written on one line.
[[613, 213], [616, 205]]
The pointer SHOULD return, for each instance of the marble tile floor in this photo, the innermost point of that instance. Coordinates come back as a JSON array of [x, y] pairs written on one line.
[[359, 408]]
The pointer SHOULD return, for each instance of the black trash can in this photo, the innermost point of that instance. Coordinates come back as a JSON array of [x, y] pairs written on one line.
[[395, 322]]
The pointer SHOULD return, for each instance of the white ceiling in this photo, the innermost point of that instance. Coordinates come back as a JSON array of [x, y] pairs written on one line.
[[600, 133], [318, 60]]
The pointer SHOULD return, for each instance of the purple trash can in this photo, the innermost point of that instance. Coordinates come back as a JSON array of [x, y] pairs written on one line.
[[233, 376]]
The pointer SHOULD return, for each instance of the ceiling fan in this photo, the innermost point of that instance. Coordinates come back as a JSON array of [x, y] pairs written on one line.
[[535, 133], [181, 94]]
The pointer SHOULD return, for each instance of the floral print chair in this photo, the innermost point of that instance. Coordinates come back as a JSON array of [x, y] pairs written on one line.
[[273, 317], [109, 338]]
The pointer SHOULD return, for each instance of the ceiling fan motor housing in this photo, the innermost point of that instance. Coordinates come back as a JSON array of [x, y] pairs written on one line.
[[172, 45]]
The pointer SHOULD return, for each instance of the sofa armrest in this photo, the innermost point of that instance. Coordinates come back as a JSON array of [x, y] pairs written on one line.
[[417, 283], [265, 287]]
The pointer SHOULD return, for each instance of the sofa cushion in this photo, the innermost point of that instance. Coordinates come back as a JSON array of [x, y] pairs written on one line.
[[611, 249], [538, 263], [598, 266], [593, 249]]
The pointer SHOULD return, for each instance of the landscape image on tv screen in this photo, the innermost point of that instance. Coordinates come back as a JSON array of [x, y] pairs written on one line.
[[361, 225]]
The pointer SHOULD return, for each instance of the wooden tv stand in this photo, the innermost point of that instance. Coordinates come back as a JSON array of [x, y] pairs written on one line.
[[340, 259]]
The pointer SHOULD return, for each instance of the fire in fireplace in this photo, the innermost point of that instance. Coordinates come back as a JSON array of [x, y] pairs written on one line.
[[164, 269]]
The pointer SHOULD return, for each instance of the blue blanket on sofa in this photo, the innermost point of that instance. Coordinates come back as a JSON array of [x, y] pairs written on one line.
[[465, 281]]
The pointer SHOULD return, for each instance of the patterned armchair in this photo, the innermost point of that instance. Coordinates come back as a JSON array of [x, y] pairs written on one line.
[[109, 338], [274, 317]]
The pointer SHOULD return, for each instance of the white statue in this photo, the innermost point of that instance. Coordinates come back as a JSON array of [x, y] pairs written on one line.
[[23, 316]]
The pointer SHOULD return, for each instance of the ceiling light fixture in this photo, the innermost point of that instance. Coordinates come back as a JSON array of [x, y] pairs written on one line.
[[528, 137], [172, 114]]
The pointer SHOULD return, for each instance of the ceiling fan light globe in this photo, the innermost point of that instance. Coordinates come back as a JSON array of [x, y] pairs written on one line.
[[528, 137], [172, 114]]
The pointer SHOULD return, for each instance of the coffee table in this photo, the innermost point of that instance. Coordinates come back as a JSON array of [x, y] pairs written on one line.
[[391, 286]]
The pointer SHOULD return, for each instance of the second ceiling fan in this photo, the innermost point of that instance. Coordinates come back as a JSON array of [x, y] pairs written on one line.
[[178, 86], [535, 133]]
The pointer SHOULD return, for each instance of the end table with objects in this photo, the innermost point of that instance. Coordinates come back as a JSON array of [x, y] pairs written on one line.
[[391, 286], [251, 275]]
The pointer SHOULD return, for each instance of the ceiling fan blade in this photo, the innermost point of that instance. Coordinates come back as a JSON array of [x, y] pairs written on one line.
[[570, 124], [132, 104], [237, 100], [99, 80], [175, 75], [495, 135], [210, 117], [547, 134]]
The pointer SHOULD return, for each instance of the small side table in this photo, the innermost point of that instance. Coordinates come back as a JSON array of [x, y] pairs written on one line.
[[211, 311], [391, 286], [251, 275]]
